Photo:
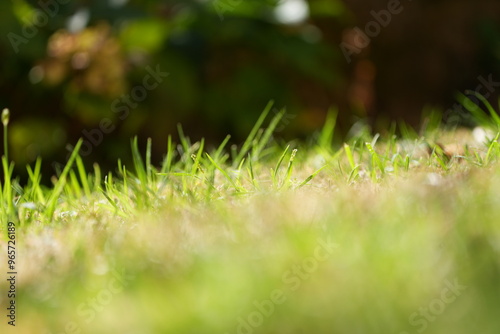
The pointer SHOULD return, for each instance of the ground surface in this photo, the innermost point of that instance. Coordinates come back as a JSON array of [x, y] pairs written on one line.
[[389, 236]]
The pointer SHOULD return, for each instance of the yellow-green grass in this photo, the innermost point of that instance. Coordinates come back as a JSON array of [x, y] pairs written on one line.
[[380, 235]]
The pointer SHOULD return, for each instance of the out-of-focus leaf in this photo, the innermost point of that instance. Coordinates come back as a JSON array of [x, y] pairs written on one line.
[[144, 35], [326, 8], [23, 11]]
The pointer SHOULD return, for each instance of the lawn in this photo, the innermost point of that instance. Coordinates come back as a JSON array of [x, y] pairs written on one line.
[[389, 234]]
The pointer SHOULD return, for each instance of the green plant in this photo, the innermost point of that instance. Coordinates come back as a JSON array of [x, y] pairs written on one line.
[[210, 237]]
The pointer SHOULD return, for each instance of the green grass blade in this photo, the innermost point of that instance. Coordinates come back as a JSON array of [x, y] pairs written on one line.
[[248, 142], [7, 191], [35, 178], [149, 167], [196, 158], [218, 153], [375, 158], [224, 173], [493, 146], [326, 135], [477, 113], [278, 165], [353, 174], [349, 155], [83, 176], [252, 173], [97, 176], [289, 168], [491, 110], [59, 186], [140, 170], [167, 162], [310, 177], [185, 142], [74, 190], [267, 134]]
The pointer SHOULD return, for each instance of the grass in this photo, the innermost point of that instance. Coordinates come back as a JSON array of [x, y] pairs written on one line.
[[375, 235]]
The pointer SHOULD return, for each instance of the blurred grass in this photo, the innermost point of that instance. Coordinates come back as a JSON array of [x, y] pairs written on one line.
[[259, 242]]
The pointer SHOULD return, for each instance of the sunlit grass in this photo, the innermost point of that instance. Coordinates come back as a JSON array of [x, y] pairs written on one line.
[[365, 236]]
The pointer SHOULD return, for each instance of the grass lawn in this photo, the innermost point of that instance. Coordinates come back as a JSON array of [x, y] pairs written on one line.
[[384, 234]]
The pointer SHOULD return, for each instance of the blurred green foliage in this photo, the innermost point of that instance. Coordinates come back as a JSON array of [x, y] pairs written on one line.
[[79, 68], [66, 63]]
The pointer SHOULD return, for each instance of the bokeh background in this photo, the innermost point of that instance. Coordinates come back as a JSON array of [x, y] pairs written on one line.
[[75, 67]]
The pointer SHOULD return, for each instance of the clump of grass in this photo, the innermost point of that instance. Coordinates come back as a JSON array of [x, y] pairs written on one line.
[[329, 237]]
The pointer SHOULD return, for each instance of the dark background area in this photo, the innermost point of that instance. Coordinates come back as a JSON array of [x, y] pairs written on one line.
[[70, 68]]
